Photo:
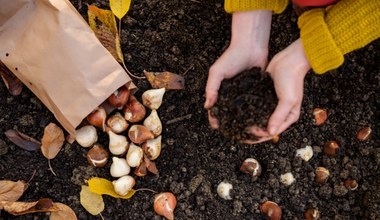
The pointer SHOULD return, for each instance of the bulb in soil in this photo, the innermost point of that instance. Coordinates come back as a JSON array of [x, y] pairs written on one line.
[[138, 134], [152, 98], [153, 123], [224, 190], [135, 155], [305, 153], [134, 111], [86, 136], [251, 166], [164, 204], [271, 209], [123, 185], [97, 156], [118, 144], [119, 167], [152, 148]]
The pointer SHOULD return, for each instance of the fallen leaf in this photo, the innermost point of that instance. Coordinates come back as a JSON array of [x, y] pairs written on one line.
[[11, 191], [13, 84], [103, 23], [150, 165], [91, 201], [105, 187], [22, 140], [165, 80], [52, 141], [64, 212], [21, 208], [120, 7]]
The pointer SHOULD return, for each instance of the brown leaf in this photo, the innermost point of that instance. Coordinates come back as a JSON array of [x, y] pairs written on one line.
[[165, 80], [23, 140], [13, 84], [52, 141], [64, 212], [11, 191], [150, 165], [21, 208]]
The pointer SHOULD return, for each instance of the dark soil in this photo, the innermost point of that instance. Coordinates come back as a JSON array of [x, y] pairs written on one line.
[[186, 37], [246, 100]]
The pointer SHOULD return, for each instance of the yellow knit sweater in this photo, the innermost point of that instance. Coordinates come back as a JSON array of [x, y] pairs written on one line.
[[327, 33]]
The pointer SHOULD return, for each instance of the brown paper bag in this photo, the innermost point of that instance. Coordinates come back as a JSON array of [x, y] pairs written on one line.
[[52, 50]]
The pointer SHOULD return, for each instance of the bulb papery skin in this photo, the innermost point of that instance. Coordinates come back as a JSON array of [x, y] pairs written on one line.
[[152, 148], [135, 155], [98, 118], [287, 178], [118, 144], [305, 153], [117, 123], [224, 189], [164, 204], [119, 98], [123, 185], [153, 123], [119, 167], [138, 134], [134, 111], [86, 136], [152, 98]]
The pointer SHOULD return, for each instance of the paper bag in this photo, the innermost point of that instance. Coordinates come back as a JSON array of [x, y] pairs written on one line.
[[52, 50]]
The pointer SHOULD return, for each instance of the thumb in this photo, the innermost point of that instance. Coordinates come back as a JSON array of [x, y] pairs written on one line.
[[212, 88], [278, 117]]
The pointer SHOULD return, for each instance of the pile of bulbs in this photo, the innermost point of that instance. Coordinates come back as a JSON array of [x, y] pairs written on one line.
[[134, 138]]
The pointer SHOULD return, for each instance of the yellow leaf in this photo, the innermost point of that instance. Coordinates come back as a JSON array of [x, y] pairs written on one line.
[[103, 23], [52, 141], [120, 7], [103, 186], [92, 202]]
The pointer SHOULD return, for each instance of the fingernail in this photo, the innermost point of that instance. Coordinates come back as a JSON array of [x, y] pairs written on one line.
[[273, 130]]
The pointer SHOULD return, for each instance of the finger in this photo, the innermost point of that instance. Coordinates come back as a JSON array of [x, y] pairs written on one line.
[[260, 140], [279, 116], [292, 117], [257, 131], [214, 123], [213, 84]]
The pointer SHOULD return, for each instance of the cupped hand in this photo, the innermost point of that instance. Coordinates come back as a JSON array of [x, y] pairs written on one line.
[[288, 69], [248, 48]]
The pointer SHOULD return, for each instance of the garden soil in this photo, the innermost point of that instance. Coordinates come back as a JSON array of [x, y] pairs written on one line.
[[186, 37]]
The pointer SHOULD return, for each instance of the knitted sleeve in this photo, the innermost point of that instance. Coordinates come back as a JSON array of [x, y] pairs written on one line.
[[277, 6], [328, 34]]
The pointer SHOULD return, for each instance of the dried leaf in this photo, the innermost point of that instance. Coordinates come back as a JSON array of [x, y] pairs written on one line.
[[64, 212], [13, 84], [11, 191], [165, 80], [91, 201], [103, 23], [22, 140], [21, 208], [52, 141], [150, 165], [120, 7], [103, 186]]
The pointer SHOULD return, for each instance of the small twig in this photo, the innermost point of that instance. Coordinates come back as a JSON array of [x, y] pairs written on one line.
[[188, 69], [195, 1], [146, 189], [129, 73], [34, 173], [179, 119], [101, 216], [51, 169]]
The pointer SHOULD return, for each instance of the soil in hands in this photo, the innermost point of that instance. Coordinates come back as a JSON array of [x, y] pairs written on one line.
[[246, 100]]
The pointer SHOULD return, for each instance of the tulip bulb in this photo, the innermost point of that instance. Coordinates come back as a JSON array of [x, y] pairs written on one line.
[[152, 98], [117, 123], [224, 190], [134, 111], [139, 134], [97, 156], [119, 167], [135, 155], [123, 185], [118, 144], [164, 204], [153, 123], [98, 117], [86, 136], [119, 98], [152, 148], [141, 170]]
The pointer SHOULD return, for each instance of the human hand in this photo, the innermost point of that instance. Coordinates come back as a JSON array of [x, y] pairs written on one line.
[[288, 69], [248, 48]]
